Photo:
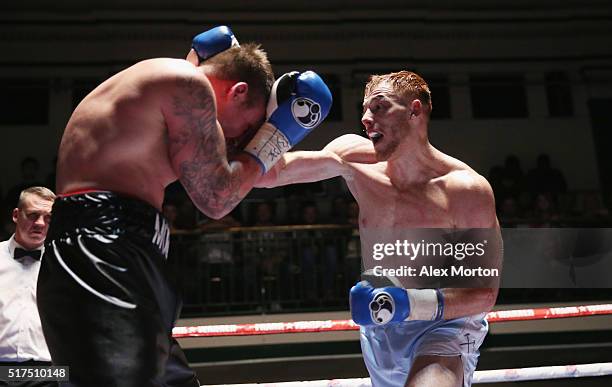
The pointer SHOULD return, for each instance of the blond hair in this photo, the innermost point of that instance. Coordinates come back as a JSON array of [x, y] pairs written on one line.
[[41, 192]]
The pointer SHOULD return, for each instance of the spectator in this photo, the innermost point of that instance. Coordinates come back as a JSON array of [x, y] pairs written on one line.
[[543, 179], [525, 203], [271, 261], [29, 178], [294, 209], [215, 250], [593, 210], [7, 225], [339, 210], [513, 179], [317, 255], [545, 212], [21, 338], [217, 245], [509, 212], [353, 247], [309, 252], [263, 214], [310, 213], [496, 176], [50, 180], [178, 201]]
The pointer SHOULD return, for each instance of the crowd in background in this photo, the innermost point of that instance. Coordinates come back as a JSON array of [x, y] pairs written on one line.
[[540, 197], [536, 197]]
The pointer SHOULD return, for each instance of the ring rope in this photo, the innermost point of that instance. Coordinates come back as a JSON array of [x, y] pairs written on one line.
[[489, 376], [349, 325]]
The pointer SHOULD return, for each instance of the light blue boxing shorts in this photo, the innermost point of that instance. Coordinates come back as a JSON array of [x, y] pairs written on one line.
[[390, 350]]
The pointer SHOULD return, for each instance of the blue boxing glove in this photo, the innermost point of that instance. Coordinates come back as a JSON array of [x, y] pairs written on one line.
[[298, 103], [210, 43], [380, 306]]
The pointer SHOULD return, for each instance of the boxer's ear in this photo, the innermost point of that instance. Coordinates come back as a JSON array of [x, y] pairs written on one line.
[[192, 58], [416, 108], [239, 92]]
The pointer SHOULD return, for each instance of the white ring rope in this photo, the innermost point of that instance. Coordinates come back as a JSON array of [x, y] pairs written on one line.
[[489, 376]]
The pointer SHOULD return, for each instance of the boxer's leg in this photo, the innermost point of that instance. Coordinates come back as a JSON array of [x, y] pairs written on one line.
[[178, 373], [104, 343], [447, 354], [436, 371]]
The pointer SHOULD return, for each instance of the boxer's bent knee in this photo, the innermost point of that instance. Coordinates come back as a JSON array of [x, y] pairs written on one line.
[[436, 371]]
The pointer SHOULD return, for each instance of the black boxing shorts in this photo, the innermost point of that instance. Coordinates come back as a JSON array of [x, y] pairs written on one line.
[[105, 295]]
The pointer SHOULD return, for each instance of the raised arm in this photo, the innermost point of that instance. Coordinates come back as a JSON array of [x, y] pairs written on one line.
[[197, 145], [308, 166], [197, 150]]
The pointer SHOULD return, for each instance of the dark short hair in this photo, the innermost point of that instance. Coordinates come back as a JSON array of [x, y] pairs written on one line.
[[247, 63]]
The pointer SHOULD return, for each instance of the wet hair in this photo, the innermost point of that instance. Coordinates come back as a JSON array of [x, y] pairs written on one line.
[[406, 84], [41, 192], [245, 63]]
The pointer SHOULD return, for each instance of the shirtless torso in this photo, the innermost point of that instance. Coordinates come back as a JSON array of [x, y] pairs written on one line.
[[449, 194], [144, 128]]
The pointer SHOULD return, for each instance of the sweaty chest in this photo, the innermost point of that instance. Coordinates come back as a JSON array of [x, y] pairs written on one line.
[[382, 205]]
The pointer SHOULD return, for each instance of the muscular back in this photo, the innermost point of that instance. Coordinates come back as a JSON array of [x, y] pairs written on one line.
[[116, 138]]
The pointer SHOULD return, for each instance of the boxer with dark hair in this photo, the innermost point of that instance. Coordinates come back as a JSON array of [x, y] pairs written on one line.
[[106, 300]]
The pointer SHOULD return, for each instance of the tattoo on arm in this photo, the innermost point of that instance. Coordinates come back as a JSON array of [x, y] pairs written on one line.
[[207, 177]]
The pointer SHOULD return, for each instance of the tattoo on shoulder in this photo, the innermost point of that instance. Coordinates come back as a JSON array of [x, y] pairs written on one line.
[[205, 175], [194, 106]]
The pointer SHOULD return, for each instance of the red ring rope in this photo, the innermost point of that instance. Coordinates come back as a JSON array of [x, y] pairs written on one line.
[[349, 325]]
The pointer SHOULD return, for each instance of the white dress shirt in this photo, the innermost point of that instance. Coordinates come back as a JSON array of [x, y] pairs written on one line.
[[21, 336]]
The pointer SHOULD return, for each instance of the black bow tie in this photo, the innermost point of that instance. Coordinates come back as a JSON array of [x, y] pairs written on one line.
[[20, 253]]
